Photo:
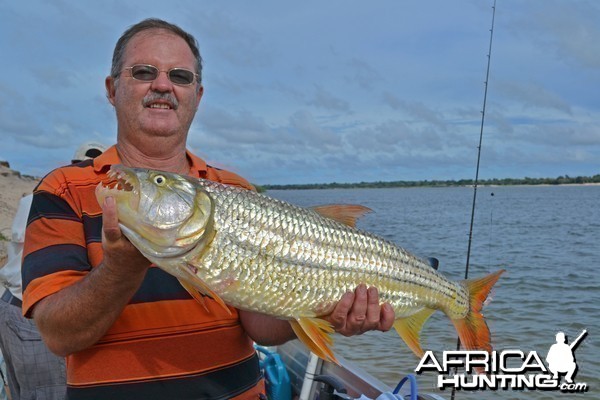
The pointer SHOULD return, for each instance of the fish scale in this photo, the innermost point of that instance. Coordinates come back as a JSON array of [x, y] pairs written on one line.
[[317, 247], [261, 254]]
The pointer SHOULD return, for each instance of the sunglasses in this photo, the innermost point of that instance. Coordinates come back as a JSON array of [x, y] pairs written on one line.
[[148, 73]]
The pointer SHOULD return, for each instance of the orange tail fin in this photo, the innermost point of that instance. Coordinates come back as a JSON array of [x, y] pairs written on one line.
[[472, 330]]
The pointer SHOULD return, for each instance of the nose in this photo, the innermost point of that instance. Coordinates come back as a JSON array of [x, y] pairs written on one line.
[[162, 83]]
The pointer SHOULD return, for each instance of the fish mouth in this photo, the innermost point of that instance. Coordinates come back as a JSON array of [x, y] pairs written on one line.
[[121, 184]]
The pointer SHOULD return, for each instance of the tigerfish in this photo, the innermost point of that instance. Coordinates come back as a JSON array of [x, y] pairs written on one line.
[[261, 254]]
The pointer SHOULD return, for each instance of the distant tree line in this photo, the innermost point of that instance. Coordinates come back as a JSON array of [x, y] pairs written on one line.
[[561, 180]]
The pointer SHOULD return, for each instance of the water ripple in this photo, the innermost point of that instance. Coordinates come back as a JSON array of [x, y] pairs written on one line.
[[546, 237]]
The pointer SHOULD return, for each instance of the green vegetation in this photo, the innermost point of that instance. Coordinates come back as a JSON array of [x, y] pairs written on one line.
[[3, 238], [561, 180], [259, 188]]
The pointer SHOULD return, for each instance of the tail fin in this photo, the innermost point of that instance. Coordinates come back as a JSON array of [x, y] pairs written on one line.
[[472, 330]]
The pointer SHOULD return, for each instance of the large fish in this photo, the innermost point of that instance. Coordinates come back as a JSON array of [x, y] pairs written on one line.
[[260, 254]]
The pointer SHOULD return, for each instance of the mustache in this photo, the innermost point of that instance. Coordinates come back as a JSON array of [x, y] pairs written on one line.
[[154, 96]]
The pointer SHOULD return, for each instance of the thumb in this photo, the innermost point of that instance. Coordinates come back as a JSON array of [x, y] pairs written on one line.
[[110, 220]]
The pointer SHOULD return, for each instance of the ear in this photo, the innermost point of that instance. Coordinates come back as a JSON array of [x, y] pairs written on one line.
[[109, 82], [199, 95]]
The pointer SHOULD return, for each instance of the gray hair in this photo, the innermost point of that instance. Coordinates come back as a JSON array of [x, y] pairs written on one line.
[[152, 23]]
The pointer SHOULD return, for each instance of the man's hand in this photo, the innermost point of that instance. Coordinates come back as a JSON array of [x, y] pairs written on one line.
[[359, 311], [117, 248]]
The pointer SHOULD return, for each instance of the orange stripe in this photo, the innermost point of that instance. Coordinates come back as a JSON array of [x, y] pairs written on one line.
[[42, 234], [47, 285], [95, 255], [155, 358], [168, 317]]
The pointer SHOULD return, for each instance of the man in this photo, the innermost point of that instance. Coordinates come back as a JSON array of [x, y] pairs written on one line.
[[128, 329], [560, 358], [32, 370]]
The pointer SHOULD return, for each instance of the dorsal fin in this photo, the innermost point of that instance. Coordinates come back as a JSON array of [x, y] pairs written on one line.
[[433, 262], [347, 214]]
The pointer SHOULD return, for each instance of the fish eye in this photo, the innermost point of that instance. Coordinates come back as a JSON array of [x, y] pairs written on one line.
[[159, 180]]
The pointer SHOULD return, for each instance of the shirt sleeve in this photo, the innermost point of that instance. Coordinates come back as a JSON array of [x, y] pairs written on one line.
[[55, 253]]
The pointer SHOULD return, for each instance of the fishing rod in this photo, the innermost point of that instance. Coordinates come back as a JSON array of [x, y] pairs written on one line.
[[475, 183]]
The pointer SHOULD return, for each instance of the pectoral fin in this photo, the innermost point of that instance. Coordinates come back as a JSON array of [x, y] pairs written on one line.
[[195, 284], [409, 329], [194, 293], [315, 333]]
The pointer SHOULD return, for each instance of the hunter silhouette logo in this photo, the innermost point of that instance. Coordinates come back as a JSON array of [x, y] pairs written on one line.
[[508, 369], [560, 357]]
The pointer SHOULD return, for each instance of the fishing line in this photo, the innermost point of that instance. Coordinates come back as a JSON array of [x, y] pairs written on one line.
[[491, 230], [475, 183]]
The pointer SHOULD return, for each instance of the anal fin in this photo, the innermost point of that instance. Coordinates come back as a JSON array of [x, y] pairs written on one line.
[[315, 333], [409, 329]]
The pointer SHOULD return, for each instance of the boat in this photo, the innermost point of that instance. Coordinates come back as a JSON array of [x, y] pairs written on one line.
[[293, 372]]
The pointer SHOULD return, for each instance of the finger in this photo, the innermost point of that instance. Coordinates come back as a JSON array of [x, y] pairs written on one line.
[[358, 314], [340, 313], [373, 310], [110, 220], [387, 317]]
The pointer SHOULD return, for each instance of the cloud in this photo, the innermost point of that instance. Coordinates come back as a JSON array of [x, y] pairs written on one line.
[[55, 77], [326, 100], [362, 74], [231, 37], [568, 29], [416, 110], [309, 132], [323, 93], [239, 127], [532, 95]]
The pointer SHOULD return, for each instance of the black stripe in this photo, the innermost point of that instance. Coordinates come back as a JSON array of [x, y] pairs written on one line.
[[222, 384], [157, 286], [60, 257], [92, 227], [82, 164], [47, 205]]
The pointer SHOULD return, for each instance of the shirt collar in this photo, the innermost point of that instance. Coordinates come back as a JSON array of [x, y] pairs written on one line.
[[106, 159], [111, 157]]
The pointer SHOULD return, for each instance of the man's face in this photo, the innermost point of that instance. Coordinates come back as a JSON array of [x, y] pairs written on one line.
[[159, 107]]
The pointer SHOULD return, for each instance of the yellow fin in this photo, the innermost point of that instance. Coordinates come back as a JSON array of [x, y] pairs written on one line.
[[409, 329], [198, 284], [347, 214], [315, 333], [194, 293]]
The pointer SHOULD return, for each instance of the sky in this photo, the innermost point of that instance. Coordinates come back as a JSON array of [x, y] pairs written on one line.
[[325, 91]]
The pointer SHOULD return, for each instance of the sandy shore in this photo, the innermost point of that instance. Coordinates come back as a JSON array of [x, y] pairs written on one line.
[[12, 187]]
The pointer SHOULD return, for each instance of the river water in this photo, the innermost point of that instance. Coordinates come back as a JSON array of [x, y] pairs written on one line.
[[546, 237]]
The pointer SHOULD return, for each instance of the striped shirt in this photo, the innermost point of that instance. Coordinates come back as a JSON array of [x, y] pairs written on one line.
[[164, 345]]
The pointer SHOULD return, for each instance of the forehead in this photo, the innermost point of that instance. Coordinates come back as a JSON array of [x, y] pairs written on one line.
[[159, 47]]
